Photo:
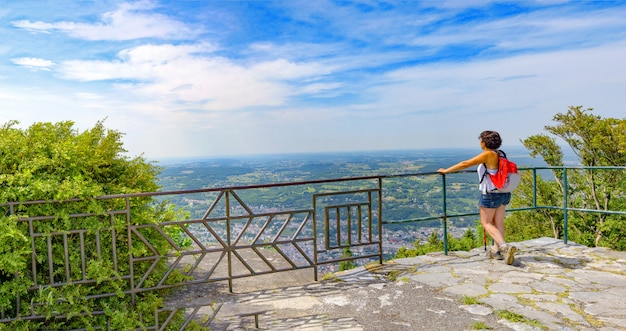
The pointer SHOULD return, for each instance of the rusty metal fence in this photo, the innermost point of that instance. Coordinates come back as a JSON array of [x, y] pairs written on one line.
[[220, 237], [223, 238]]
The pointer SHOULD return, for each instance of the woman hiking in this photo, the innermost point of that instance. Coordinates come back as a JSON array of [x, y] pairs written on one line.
[[492, 204]]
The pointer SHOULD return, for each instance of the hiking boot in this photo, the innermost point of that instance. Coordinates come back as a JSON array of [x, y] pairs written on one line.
[[508, 251], [494, 255]]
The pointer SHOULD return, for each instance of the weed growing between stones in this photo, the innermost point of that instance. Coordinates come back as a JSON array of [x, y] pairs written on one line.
[[481, 326], [467, 300], [517, 318]]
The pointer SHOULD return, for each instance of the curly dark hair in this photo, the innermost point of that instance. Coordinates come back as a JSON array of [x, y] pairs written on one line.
[[491, 139]]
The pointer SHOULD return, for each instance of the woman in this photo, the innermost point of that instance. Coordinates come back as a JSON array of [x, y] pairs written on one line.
[[491, 204]]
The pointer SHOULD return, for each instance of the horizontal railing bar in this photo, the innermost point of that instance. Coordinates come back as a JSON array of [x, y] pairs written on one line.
[[345, 192], [225, 188], [575, 168], [76, 282], [431, 218], [48, 218], [341, 206], [360, 257], [296, 183], [612, 212], [414, 220]]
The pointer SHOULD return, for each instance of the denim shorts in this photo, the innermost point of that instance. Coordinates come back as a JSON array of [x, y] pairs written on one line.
[[494, 200]]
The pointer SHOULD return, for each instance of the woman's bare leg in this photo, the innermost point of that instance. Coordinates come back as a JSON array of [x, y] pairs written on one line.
[[488, 221], [499, 220]]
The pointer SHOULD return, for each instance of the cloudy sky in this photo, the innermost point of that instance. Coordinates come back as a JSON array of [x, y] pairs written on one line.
[[188, 78]]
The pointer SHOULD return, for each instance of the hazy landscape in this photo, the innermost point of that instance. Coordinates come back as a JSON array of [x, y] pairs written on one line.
[[405, 197], [193, 173]]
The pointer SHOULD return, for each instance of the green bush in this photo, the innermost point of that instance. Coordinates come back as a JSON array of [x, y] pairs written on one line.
[[68, 169], [468, 241]]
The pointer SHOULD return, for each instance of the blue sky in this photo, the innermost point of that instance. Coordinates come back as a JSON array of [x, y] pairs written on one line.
[[186, 78]]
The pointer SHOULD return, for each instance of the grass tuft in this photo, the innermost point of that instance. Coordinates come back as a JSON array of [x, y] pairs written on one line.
[[481, 326], [517, 318], [467, 300]]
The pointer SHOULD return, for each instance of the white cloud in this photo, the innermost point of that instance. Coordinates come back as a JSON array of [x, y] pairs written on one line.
[[321, 89], [33, 63], [516, 95], [11, 97], [41, 27], [312, 75], [129, 21], [186, 74], [542, 29], [89, 96]]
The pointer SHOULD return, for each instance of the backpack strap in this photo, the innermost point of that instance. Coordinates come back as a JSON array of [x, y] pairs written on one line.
[[500, 154], [484, 174]]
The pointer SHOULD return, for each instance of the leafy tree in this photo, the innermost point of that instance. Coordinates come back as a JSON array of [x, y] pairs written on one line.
[[596, 141], [466, 242], [68, 169], [523, 225]]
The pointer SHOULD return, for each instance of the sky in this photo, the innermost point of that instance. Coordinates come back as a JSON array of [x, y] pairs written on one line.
[[204, 78]]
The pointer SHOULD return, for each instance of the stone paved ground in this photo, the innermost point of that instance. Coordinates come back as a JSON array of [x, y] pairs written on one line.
[[550, 286], [558, 286]]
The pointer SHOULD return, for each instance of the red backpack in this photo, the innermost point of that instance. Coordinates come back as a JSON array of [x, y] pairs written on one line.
[[507, 178]]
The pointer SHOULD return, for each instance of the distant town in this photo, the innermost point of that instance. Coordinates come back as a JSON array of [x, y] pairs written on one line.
[[404, 197]]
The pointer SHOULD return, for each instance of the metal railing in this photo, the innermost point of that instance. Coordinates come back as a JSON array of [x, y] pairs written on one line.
[[226, 237], [565, 207]]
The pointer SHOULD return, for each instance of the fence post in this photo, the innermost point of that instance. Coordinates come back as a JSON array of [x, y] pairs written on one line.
[[445, 217], [228, 241], [380, 220], [535, 188], [131, 267], [565, 193], [314, 221]]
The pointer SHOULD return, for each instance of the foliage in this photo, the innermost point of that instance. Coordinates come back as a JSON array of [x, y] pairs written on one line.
[[596, 141], [481, 326], [523, 225], [517, 318], [435, 243], [68, 169], [467, 300], [348, 264]]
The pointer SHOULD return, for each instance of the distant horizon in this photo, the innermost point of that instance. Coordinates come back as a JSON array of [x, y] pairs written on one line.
[[512, 152], [348, 152]]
